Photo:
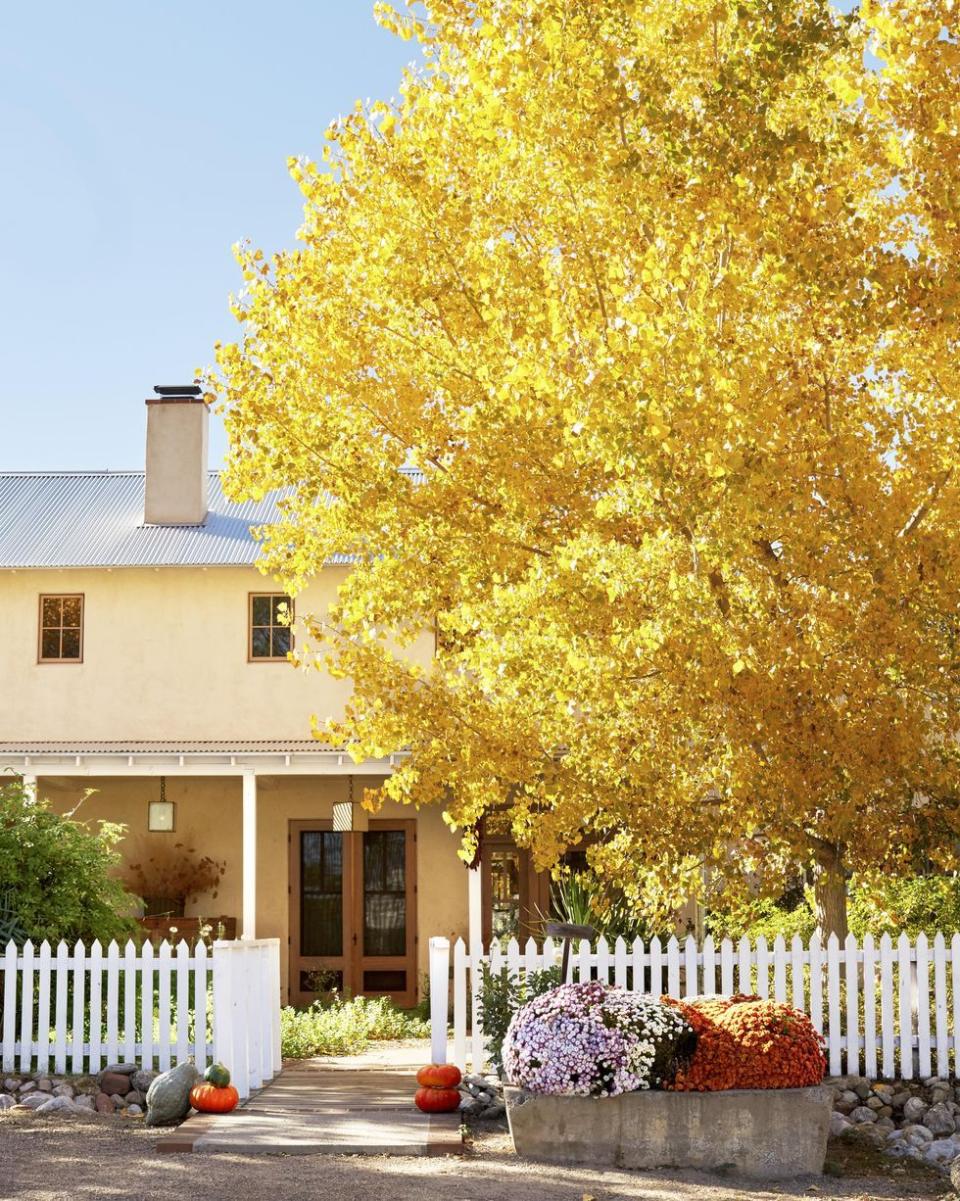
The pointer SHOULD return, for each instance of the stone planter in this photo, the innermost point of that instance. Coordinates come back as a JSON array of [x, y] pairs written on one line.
[[764, 1134]]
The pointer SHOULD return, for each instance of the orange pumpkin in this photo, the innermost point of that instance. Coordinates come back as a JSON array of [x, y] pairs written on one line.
[[436, 1100], [210, 1098], [439, 1075]]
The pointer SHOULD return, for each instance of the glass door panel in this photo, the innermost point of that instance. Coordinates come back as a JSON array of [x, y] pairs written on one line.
[[320, 911]]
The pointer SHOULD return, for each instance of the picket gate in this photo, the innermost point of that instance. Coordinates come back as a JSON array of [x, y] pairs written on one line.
[[886, 1007], [78, 1009]]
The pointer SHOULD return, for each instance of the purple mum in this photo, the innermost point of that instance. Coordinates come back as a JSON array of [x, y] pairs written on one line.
[[592, 1040]]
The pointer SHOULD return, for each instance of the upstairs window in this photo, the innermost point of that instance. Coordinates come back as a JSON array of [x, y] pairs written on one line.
[[61, 629], [271, 621]]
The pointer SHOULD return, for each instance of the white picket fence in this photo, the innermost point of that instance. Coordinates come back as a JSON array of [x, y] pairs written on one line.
[[886, 1009], [78, 1009]]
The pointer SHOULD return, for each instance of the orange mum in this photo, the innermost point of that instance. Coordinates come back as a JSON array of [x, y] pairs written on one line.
[[745, 1042]]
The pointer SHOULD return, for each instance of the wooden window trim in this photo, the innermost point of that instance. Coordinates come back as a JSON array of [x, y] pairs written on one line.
[[82, 598], [251, 657]]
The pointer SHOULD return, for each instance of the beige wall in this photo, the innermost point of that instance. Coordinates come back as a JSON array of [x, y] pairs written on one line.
[[165, 657], [209, 817]]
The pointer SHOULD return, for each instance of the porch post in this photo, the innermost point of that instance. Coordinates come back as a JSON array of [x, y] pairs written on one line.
[[249, 917], [474, 907], [29, 784]]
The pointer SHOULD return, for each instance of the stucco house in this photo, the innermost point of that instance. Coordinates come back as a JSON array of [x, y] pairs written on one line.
[[145, 657]]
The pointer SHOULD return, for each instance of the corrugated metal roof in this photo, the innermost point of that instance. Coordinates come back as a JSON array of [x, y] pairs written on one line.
[[95, 519], [137, 746]]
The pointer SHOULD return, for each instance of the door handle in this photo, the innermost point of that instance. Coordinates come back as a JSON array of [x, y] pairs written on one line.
[[354, 940]]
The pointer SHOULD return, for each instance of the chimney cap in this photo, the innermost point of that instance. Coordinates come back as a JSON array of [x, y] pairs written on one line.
[[177, 389]]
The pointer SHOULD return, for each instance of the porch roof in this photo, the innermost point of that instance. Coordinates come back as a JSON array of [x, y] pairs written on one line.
[[269, 756]]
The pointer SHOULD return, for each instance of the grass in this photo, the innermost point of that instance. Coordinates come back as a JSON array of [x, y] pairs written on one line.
[[341, 1027]]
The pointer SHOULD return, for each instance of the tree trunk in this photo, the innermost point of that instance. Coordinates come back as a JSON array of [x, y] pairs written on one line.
[[830, 895]]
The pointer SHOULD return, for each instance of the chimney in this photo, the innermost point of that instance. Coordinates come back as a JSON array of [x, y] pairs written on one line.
[[177, 427]]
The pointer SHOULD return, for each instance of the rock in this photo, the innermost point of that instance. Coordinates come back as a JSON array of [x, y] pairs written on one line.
[[955, 1175], [12, 1083], [863, 1116], [939, 1120], [44, 1085], [133, 1098], [28, 1086], [7, 1102], [63, 1090], [898, 1100], [914, 1109], [134, 1111], [494, 1112], [103, 1104], [941, 1149], [141, 1081], [885, 1092], [34, 1100], [940, 1094], [885, 1123], [885, 1111], [862, 1090], [168, 1098], [114, 1082], [868, 1133], [874, 1103], [56, 1105], [117, 1100], [122, 1069], [838, 1124], [919, 1136], [86, 1102]]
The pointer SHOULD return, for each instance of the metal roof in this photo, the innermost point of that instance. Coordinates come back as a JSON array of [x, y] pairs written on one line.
[[95, 519]]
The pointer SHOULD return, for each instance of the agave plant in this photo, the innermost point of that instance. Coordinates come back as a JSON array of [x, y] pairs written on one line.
[[583, 899]]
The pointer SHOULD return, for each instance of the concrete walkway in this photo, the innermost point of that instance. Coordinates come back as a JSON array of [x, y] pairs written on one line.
[[349, 1105]]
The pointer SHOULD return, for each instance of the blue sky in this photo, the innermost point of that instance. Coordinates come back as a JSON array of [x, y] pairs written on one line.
[[138, 142]]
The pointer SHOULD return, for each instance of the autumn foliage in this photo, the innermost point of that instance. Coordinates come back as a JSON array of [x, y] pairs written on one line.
[[619, 358], [746, 1042]]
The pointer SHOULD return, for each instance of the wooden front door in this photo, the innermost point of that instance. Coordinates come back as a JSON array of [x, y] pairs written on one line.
[[353, 913]]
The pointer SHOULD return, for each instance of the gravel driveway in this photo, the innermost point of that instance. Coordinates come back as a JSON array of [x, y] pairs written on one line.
[[98, 1159]]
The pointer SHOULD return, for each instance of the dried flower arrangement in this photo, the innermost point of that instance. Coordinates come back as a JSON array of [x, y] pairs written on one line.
[[173, 872]]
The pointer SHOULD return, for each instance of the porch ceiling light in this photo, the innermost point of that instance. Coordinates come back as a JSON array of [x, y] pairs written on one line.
[[161, 815]]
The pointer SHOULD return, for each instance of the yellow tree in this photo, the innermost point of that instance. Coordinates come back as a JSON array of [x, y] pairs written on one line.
[[622, 350]]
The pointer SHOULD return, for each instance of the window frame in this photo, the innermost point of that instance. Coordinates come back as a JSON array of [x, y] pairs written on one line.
[[61, 596], [251, 657]]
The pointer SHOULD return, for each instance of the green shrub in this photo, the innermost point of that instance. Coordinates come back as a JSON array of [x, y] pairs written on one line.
[[343, 1027], [767, 917], [914, 904], [56, 874], [502, 994]]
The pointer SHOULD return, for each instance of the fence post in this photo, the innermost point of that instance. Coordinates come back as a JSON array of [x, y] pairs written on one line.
[[439, 997], [222, 1004]]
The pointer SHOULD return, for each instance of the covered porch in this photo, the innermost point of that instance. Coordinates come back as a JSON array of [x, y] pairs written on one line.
[[353, 899]]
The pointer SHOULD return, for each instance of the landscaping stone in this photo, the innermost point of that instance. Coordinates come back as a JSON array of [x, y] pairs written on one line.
[[63, 1090], [141, 1081], [56, 1105], [34, 1100], [914, 1109], [85, 1101], [7, 1102], [862, 1115], [44, 1085], [11, 1083], [28, 1086], [168, 1098], [134, 1111], [114, 1082], [939, 1120], [123, 1069], [839, 1123], [117, 1100], [133, 1098], [103, 1103]]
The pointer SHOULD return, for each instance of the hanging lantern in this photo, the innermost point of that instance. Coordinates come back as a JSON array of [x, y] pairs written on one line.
[[349, 815], [161, 814]]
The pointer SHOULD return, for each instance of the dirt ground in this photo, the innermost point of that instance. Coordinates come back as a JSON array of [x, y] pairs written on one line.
[[97, 1159]]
